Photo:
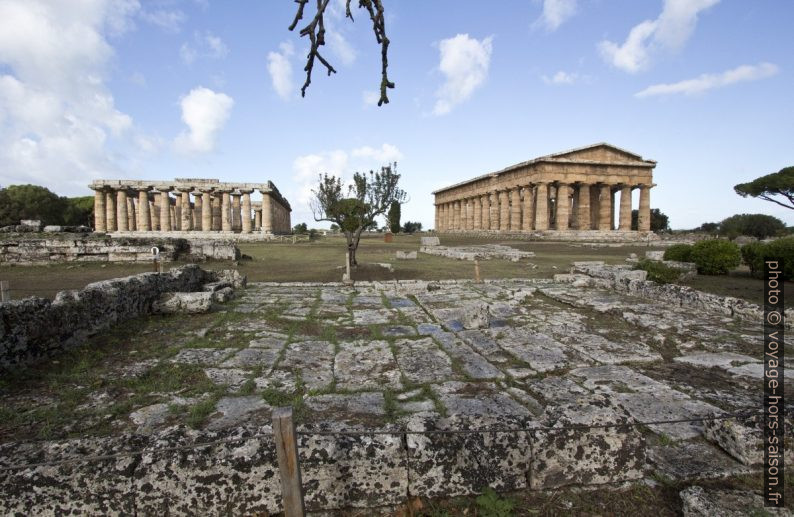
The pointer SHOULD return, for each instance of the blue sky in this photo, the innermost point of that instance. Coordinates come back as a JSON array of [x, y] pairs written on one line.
[[157, 89]]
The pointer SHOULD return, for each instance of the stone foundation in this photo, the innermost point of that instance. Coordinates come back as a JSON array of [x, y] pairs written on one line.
[[28, 251], [35, 328]]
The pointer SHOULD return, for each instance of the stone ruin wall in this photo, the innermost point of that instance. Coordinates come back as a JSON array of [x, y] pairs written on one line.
[[34, 328], [30, 251]]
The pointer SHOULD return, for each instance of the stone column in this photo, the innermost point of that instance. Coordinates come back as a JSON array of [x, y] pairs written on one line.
[[504, 211], [226, 205], [644, 212], [574, 196], [437, 219], [198, 210], [542, 207], [470, 211], [583, 218], [612, 209], [449, 213], [477, 222], [176, 213], [206, 210], [258, 219], [604, 205], [100, 216], [216, 211], [184, 215], [485, 212], [172, 213], [267, 213], [132, 222], [236, 213], [154, 211], [624, 224], [144, 221], [529, 208], [455, 215], [494, 210], [110, 210], [563, 208], [515, 209], [245, 223], [165, 209]]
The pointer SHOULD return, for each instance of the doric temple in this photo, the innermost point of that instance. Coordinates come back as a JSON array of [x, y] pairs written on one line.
[[567, 191], [146, 206]]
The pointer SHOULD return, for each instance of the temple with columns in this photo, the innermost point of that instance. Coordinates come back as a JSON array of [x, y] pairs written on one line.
[[572, 191], [197, 205]]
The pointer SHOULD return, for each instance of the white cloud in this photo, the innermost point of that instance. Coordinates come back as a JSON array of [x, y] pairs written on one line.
[[370, 97], [339, 163], [168, 20], [205, 45], [556, 12], [341, 48], [707, 82], [56, 112], [205, 112], [561, 77], [464, 63], [280, 70], [386, 154], [670, 30]]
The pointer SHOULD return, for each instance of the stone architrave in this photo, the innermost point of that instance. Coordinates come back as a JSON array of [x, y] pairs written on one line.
[[563, 208], [529, 208], [583, 218], [245, 223], [604, 207], [644, 212], [515, 209], [110, 210], [624, 224], [144, 220], [542, 207], [100, 215]]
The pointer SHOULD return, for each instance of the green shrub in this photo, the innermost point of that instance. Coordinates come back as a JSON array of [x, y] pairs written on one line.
[[679, 252], [715, 257], [659, 272], [753, 256], [781, 249], [760, 226]]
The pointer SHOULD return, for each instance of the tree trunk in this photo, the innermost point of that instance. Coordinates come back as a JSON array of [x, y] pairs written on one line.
[[354, 245], [351, 249]]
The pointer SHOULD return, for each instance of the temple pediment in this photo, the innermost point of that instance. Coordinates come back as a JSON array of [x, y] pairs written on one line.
[[601, 152]]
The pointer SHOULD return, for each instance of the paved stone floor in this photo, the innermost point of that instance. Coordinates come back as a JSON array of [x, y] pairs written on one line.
[[375, 354]]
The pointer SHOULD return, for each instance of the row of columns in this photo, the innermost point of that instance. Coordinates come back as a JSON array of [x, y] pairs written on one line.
[[545, 206], [211, 209]]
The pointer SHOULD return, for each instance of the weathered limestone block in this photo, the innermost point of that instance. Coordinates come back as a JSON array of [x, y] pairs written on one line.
[[183, 303], [81, 487], [476, 316], [239, 477], [430, 241], [406, 255], [466, 463], [742, 439], [589, 455], [33, 224], [707, 502], [654, 255]]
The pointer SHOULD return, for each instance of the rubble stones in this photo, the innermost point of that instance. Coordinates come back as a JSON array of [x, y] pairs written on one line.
[[485, 252], [430, 241]]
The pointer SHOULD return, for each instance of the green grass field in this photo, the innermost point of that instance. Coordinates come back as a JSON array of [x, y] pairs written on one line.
[[323, 260]]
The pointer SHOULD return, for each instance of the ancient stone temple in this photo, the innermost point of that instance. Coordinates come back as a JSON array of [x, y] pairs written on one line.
[[188, 205], [572, 191]]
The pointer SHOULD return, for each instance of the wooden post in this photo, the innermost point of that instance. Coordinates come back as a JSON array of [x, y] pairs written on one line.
[[288, 466], [5, 291]]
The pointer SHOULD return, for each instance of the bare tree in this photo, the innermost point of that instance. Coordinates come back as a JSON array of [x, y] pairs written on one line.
[[315, 30], [369, 196]]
